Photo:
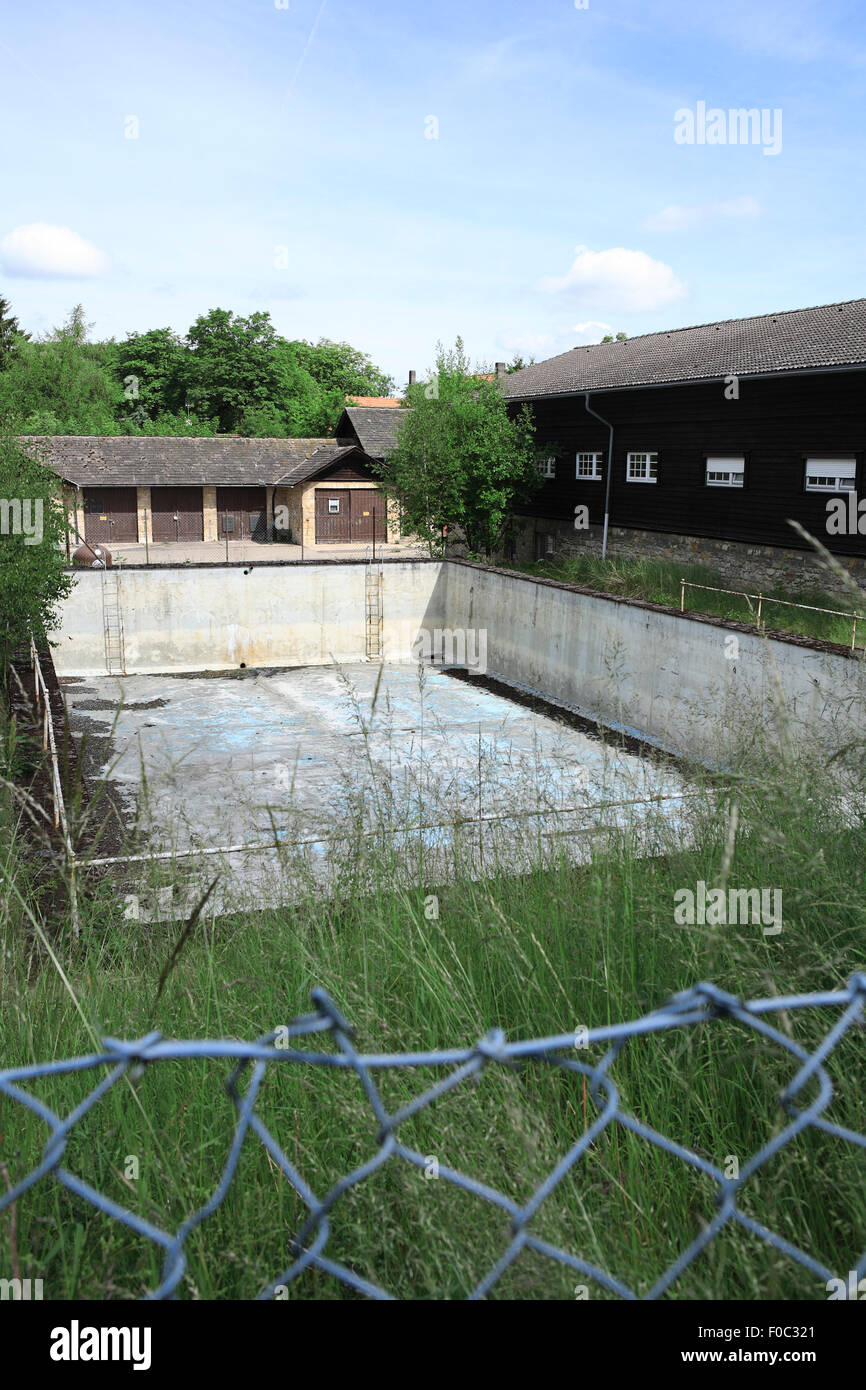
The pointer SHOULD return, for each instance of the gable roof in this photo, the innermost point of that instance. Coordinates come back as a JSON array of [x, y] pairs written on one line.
[[321, 458], [375, 430], [831, 335], [151, 460]]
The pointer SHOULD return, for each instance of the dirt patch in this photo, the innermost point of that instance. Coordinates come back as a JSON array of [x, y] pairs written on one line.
[[112, 704]]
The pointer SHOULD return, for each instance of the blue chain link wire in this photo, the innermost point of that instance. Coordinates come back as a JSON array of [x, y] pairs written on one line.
[[702, 1004]]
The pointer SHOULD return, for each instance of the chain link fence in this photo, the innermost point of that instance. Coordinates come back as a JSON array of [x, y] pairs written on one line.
[[294, 1045]]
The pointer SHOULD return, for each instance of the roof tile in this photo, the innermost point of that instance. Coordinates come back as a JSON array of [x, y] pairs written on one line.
[[831, 335]]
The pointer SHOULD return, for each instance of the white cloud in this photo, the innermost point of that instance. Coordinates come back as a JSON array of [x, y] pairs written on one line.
[[541, 345], [42, 252], [592, 331], [676, 217], [532, 344], [616, 279]]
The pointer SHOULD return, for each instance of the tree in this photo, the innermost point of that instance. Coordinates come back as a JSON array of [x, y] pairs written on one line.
[[620, 338], [462, 459], [62, 383], [11, 336], [340, 368], [230, 374], [152, 369], [232, 365], [32, 546]]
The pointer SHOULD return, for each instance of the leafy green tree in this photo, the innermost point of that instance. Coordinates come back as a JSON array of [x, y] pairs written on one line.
[[32, 545], [340, 368], [232, 365], [264, 422], [152, 368], [11, 336], [230, 374], [165, 424], [620, 338], [462, 459], [62, 383]]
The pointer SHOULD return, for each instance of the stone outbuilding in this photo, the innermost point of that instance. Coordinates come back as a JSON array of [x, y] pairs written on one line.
[[161, 489]]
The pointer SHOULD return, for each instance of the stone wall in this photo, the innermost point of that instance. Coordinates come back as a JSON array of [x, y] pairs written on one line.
[[741, 566]]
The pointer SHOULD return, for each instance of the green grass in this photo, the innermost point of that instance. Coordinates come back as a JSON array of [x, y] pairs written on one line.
[[659, 581], [535, 954]]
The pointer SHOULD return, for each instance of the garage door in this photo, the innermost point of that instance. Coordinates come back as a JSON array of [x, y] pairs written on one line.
[[242, 513], [368, 515], [349, 514], [177, 513], [110, 514]]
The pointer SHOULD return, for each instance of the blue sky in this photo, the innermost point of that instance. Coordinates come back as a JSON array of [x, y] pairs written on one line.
[[283, 163]]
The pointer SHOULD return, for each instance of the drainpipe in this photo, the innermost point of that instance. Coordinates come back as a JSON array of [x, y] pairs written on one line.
[[609, 472]]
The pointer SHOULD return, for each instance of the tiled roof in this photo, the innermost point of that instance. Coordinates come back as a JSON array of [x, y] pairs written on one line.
[[831, 335], [375, 430], [127, 460]]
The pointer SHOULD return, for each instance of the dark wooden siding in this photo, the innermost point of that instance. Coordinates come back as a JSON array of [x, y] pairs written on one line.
[[177, 513], [774, 424], [247, 507], [110, 514], [348, 473]]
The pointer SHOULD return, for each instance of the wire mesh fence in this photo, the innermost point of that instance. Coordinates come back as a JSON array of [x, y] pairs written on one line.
[[294, 1045]]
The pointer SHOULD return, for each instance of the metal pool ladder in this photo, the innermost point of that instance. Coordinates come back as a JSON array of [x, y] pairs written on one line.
[[115, 652], [373, 610]]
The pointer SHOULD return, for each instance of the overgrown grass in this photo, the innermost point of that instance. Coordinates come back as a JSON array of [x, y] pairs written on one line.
[[539, 953], [659, 581]]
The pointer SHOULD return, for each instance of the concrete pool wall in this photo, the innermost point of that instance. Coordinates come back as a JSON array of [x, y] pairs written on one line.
[[686, 683], [189, 618]]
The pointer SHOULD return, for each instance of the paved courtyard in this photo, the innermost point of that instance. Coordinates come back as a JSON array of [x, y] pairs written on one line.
[[243, 552]]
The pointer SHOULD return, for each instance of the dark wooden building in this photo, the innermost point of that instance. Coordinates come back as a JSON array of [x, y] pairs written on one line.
[[726, 430]]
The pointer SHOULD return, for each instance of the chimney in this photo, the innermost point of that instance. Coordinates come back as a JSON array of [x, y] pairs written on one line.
[[411, 378], [500, 369]]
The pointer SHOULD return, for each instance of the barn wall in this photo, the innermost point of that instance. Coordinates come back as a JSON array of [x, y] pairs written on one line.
[[773, 422]]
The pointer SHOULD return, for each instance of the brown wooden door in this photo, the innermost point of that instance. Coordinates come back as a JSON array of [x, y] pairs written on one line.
[[110, 514], [350, 514], [333, 514], [247, 509], [177, 513], [368, 515]]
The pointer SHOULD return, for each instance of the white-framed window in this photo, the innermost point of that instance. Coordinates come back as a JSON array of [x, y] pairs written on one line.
[[333, 504], [726, 472], [642, 468], [547, 467], [588, 468], [831, 474]]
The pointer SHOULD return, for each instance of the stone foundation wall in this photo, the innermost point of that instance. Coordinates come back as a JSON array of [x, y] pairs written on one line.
[[741, 566]]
